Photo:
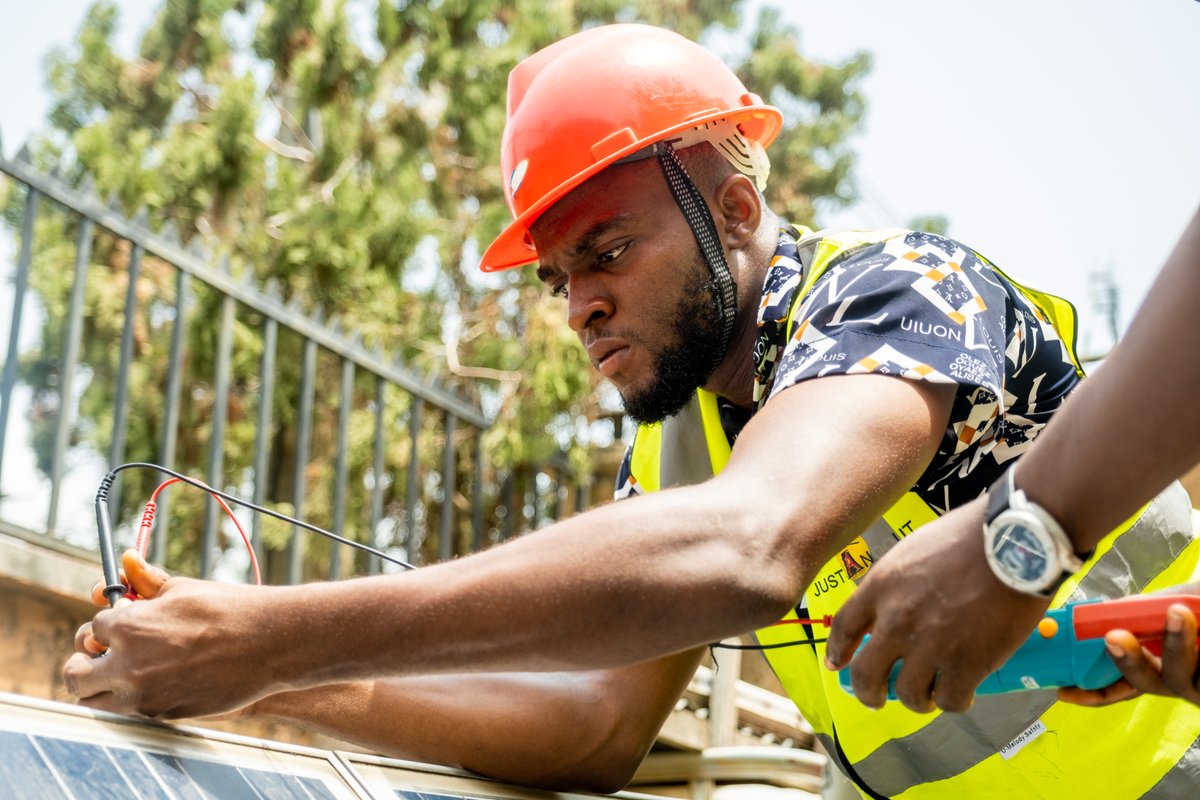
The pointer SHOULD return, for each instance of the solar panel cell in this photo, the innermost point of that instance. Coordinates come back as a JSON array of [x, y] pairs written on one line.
[[218, 781], [138, 773], [84, 769], [317, 788], [275, 785], [24, 774], [170, 772]]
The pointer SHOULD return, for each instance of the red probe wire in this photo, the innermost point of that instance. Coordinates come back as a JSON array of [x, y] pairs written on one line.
[[142, 543], [826, 620]]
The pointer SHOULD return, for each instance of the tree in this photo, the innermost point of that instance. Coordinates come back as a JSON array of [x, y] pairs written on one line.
[[349, 151]]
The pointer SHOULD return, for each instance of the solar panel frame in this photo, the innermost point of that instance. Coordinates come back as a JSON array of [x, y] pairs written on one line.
[[397, 779]]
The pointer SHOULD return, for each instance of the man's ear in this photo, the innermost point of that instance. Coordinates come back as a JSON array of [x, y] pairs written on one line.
[[741, 207]]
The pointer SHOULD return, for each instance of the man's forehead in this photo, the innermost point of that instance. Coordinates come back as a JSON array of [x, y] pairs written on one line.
[[617, 196]]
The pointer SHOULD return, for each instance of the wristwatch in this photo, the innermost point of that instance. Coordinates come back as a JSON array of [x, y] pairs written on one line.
[[1025, 546]]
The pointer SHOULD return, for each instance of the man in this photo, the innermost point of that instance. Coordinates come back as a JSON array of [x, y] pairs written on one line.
[[869, 381]]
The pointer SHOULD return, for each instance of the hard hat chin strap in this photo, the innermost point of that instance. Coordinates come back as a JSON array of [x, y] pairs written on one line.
[[699, 219]]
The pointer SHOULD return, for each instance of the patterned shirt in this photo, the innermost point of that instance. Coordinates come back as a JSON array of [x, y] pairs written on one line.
[[920, 307]]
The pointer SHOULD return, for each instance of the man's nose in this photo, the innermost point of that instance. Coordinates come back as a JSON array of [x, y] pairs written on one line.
[[587, 303]]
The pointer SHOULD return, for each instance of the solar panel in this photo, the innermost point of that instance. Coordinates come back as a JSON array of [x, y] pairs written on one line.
[[54, 751], [49, 766]]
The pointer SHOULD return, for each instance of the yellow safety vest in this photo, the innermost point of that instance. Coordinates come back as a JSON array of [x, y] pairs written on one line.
[[1023, 745]]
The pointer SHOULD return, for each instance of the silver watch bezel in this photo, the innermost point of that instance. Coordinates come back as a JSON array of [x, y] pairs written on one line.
[[1060, 559]]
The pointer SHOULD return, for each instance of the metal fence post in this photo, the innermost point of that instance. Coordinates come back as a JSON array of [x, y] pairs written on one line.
[[339, 468], [8, 378], [446, 531], [262, 436], [116, 450], [415, 413], [158, 547], [299, 475], [66, 382], [377, 469], [477, 494], [216, 444]]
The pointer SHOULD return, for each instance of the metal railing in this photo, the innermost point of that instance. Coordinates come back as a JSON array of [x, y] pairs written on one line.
[[401, 508]]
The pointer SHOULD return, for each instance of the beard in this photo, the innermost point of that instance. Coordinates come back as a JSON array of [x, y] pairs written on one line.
[[679, 369]]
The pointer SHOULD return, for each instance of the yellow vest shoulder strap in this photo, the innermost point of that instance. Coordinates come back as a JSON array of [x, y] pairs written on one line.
[[818, 252]]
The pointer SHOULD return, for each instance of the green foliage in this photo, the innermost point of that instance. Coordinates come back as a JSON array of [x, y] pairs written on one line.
[[821, 107], [349, 151], [931, 223]]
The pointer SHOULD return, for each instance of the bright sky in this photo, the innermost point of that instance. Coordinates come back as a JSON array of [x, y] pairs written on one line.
[[1059, 138]]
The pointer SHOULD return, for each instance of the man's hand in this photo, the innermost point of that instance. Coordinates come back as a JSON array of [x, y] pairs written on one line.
[[933, 602], [156, 649], [1175, 674], [143, 579]]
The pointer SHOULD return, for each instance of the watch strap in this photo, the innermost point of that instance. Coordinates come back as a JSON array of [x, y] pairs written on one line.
[[998, 496]]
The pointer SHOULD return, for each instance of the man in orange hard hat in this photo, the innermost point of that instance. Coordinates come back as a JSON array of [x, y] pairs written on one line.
[[806, 400]]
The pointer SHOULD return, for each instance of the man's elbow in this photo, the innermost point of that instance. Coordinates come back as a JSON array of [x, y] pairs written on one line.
[[597, 778], [603, 771], [766, 575], [605, 754]]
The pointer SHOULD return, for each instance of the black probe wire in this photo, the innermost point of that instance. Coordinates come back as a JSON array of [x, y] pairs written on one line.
[[776, 646], [114, 589]]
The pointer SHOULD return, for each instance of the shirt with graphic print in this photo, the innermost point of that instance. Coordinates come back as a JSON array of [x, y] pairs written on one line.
[[921, 307]]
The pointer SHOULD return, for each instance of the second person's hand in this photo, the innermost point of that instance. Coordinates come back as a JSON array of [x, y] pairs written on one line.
[[1174, 674], [934, 602]]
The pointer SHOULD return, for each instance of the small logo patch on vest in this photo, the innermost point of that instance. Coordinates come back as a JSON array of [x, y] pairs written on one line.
[[857, 559], [850, 565], [1025, 737]]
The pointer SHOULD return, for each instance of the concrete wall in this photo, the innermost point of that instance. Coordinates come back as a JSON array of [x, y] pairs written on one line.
[[43, 600]]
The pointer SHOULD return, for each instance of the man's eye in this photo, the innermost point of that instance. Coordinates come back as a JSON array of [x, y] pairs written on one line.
[[559, 291], [611, 255]]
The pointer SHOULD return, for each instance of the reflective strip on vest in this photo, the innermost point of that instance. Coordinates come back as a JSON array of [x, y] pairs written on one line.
[[1183, 781], [1084, 753]]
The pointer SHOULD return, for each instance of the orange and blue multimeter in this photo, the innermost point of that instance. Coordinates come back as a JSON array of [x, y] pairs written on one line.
[[1067, 647]]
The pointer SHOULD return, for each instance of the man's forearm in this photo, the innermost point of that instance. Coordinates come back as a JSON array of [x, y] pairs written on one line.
[[513, 608], [1133, 427]]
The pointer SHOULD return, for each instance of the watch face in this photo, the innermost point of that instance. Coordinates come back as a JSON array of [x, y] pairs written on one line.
[[1020, 552]]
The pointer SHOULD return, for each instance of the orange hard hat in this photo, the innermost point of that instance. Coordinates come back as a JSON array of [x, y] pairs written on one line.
[[596, 97]]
